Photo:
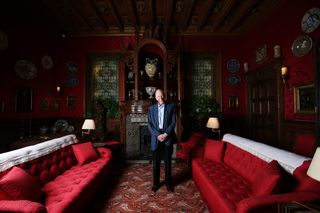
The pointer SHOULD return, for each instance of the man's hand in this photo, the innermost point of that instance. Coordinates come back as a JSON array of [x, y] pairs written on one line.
[[162, 137]]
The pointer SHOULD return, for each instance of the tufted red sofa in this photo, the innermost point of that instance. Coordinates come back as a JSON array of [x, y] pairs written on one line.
[[66, 186], [240, 175]]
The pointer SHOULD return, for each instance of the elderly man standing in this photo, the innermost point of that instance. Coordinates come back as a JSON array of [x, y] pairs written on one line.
[[161, 125]]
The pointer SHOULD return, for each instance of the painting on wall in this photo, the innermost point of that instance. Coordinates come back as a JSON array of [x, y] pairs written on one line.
[[71, 102], [24, 99], [304, 99], [233, 102]]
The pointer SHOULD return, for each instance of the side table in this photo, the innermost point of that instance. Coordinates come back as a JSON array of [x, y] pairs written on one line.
[[298, 207]]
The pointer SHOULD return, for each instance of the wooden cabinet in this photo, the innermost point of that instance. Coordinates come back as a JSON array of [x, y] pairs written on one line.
[[151, 64], [166, 76]]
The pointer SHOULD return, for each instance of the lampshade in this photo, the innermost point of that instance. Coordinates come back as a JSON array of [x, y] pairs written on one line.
[[88, 124], [314, 168], [213, 123]]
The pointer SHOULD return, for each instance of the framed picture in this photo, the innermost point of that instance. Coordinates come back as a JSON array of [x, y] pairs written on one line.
[[304, 99], [233, 102], [71, 102], [24, 99]]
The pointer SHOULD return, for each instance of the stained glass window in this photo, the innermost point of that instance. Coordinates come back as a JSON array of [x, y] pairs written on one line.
[[202, 76], [105, 83]]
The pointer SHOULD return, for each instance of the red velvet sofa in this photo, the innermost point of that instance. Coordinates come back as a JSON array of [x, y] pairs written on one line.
[[59, 175], [240, 175]]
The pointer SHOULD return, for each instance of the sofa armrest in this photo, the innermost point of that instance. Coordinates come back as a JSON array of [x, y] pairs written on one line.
[[104, 152], [270, 203], [21, 206]]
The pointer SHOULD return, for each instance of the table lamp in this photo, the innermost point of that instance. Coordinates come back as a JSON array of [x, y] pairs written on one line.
[[314, 168], [213, 123], [88, 125]]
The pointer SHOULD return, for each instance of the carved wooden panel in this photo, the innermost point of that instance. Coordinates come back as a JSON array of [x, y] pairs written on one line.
[[264, 106]]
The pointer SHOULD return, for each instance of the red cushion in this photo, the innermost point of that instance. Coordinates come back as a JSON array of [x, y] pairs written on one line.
[[84, 152], [305, 145], [265, 182], [214, 150], [17, 184]]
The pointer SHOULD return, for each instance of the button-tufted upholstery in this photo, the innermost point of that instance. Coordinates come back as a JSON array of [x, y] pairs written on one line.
[[66, 186], [231, 185]]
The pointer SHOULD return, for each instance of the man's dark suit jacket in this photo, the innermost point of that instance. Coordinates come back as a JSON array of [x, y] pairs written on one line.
[[169, 124]]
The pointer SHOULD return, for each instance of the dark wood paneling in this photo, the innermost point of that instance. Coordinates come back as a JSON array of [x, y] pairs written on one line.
[[265, 103]]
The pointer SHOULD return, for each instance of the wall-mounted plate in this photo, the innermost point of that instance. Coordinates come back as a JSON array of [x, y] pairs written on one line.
[[46, 62], [26, 69], [233, 65], [301, 45], [233, 79], [71, 81], [311, 20], [72, 67]]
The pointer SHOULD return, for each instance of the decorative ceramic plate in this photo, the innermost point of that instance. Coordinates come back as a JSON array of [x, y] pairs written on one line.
[[26, 69], [233, 65], [72, 67], [61, 125], [310, 20], [71, 81], [46, 62], [301, 45], [233, 80], [3, 41]]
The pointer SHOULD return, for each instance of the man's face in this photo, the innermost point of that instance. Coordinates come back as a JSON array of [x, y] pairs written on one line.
[[159, 97]]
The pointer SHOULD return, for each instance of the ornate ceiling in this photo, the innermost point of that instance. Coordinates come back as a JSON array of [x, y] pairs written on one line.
[[185, 17]]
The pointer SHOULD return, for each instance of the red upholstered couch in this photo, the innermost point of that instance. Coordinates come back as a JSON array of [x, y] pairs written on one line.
[[55, 176], [240, 175]]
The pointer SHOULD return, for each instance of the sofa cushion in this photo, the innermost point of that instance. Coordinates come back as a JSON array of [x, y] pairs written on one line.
[[214, 150], [266, 182], [85, 152], [17, 184]]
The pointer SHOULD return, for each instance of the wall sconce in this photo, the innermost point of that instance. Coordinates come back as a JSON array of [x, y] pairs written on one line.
[[284, 75], [213, 123], [58, 89]]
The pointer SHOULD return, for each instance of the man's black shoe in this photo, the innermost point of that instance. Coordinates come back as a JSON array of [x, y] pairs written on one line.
[[155, 188]]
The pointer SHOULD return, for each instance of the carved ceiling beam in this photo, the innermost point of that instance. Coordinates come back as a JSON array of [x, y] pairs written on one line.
[[133, 14], [243, 11], [97, 11], [223, 13], [187, 14], [77, 13], [63, 19], [115, 14], [152, 14], [206, 14], [168, 14]]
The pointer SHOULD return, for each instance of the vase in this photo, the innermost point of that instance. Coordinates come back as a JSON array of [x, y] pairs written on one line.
[[150, 91]]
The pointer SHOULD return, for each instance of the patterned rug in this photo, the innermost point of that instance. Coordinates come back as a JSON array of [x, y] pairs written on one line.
[[130, 191]]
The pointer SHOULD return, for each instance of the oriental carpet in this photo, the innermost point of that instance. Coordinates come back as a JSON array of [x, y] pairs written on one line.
[[130, 191]]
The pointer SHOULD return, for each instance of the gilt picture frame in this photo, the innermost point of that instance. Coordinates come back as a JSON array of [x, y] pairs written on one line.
[[233, 102], [304, 99]]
